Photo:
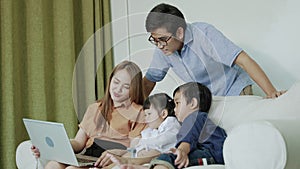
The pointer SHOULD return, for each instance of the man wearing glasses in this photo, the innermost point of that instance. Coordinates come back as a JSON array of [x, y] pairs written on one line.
[[198, 52]]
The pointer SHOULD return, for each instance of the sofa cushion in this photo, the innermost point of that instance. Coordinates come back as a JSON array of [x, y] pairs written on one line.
[[257, 144]]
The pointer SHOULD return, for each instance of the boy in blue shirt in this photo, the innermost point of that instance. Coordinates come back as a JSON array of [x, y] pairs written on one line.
[[198, 138]]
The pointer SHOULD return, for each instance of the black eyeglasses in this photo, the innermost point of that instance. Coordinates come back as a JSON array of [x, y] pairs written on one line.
[[162, 41]]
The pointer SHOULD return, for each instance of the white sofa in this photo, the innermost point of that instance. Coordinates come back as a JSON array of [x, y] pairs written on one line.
[[262, 133]]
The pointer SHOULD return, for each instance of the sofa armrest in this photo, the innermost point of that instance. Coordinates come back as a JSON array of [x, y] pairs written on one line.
[[25, 159], [263, 144]]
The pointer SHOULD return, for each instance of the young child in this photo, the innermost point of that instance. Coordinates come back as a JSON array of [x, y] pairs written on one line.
[[160, 135], [162, 128], [198, 138]]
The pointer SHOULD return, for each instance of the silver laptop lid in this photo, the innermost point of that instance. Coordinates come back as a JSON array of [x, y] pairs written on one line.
[[52, 141]]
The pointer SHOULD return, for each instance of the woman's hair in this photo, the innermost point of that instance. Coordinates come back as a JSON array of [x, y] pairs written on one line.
[[165, 16], [160, 101], [136, 94], [198, 91]]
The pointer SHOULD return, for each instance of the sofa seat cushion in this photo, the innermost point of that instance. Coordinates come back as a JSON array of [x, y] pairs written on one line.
[[258, 145]]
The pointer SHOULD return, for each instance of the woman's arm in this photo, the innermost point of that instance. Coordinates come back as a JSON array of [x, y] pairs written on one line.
[[79, 142]]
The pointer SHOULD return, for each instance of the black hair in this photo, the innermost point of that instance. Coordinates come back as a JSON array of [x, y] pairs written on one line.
[[198, 91], [160, 101], [165, 16]]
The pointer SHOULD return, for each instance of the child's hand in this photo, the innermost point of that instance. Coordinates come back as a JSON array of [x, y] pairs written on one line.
[[182, 159], [135, 142], [35, 151]]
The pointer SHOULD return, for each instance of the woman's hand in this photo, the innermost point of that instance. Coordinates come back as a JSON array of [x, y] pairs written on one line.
[[103, 160], [35, 151]]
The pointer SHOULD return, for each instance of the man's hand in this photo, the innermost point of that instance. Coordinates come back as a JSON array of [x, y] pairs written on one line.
[[275, 94]]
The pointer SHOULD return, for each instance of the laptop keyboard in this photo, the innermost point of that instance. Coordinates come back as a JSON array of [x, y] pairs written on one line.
[[86, 159], [81, 160]]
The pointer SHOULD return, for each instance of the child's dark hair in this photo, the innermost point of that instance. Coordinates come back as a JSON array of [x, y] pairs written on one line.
[[198, 91], [160, 101]]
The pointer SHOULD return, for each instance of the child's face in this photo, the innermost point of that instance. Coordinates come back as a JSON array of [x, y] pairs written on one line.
[[152, 117], [119, 86], [182, 109]]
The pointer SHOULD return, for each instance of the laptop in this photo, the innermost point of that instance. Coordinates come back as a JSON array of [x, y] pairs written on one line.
[[54, 144]]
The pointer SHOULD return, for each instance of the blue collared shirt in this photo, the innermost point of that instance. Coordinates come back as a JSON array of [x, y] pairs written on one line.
[[207, 57]]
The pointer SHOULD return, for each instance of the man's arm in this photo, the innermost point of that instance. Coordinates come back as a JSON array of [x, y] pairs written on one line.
[[148, 86], [257, 74]]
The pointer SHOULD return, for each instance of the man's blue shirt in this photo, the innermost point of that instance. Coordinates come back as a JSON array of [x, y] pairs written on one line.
[[207, 57]]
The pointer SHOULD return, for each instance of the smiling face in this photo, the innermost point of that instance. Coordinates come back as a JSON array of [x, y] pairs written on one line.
[[119, 87], [173, 44]]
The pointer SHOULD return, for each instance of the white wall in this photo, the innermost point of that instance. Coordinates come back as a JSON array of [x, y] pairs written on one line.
[[267, 30]]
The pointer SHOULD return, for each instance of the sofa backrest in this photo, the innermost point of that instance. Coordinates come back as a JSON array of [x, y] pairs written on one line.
[[230, 111]]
